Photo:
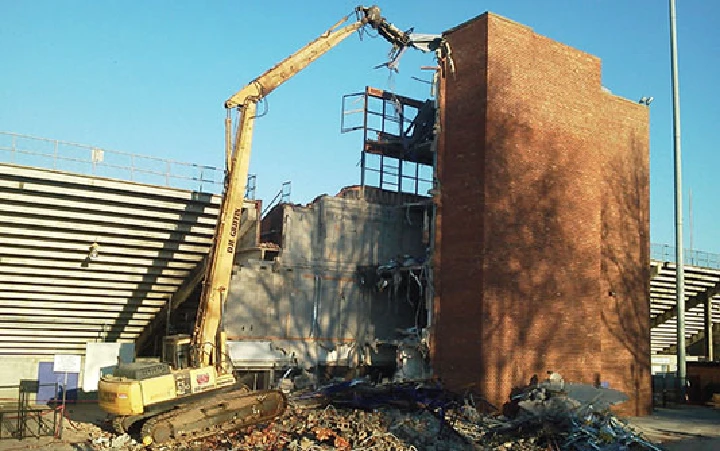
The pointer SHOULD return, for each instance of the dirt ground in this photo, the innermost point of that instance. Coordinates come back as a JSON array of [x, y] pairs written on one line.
[[82, 423], [682, 428]]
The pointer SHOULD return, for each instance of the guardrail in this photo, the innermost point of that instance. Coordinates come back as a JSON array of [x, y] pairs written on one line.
[[666, 253], [90, 160], [81, 158], [22, 417]]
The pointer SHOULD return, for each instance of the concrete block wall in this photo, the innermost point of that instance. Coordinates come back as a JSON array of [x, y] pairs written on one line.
[[314, 293], [15, 368], [285, 302], [338, 232], [98, 357], [542, 247]]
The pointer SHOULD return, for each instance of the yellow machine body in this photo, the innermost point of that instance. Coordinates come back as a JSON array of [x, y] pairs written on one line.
[[123, 396]]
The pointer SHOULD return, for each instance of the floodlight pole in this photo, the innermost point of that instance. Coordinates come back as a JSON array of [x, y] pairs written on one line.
[[679, 257]]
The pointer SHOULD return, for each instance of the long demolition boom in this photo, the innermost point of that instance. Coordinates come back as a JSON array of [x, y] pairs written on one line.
[[209, 339]]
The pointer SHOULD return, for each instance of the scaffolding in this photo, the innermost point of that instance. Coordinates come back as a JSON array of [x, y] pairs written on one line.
[[398, 134]]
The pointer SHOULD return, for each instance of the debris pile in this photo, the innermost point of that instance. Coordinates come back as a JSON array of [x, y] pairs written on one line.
[[342, 429], [110, 442], [358, 415], [573, 417]]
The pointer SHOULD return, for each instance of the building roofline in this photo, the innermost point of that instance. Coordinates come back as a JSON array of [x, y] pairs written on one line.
[[489, 14], [486, 14]]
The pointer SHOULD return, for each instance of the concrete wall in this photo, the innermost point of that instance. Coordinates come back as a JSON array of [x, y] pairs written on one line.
[[337, 232], [15, 368], [313, 299], [96, 358], [542, 245]]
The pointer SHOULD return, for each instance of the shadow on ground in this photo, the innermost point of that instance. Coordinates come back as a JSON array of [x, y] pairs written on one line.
[[681, 428]]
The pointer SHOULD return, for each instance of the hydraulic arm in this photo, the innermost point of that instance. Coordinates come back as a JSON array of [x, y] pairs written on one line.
[[238, 149], [177, 399]]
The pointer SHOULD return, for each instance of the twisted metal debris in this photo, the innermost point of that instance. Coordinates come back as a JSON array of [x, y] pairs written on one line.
[[360, 416]]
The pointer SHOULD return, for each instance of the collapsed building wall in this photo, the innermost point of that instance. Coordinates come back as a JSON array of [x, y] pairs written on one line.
[[542, 250], [347, 276]]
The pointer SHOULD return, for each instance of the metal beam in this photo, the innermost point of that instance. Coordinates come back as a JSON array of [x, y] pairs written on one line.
[[9, 290], [103, 272], [78, 236], [78, 314], [76, 258], [187, 234], [100, 204], [41, 284], [25, 245], [24, 174], [91, 220], [708, 330], [695, 338], [57, 338], [67, 304], [38, 327]]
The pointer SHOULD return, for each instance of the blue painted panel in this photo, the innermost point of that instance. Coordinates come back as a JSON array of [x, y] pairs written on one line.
[[47, 378]]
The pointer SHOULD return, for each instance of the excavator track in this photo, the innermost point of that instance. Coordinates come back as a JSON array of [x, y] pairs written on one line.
[[225, 411], [118, 424], [121, 424]]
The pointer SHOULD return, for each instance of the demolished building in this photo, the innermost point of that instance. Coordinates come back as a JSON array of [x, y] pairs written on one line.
[[347, 279], [531, 255], [526, 252], [536, 259], [341, 285]]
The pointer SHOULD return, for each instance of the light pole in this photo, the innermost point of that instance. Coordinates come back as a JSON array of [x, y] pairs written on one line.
[[679, 257]]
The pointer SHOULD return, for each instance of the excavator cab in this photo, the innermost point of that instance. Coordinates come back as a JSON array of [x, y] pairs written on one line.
[[176, 351]]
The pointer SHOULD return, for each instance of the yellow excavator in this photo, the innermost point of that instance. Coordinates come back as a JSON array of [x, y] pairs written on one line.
[[192, 391]]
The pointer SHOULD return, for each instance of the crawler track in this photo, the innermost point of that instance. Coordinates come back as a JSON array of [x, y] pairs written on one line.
[[225, 411]]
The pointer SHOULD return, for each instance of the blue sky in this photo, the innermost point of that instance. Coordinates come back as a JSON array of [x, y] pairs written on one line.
[[151, 78]]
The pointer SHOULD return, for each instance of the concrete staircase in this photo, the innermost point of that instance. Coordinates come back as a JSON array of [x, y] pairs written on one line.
[[54, 297], [702, 289]]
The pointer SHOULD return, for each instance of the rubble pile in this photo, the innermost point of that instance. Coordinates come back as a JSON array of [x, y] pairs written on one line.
[[398, 430], [342, 429], [574, 417], [107, 441], [357, 415]]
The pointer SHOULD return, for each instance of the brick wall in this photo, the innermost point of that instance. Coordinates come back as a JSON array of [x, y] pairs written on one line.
[[542, 214], [625, 251], [458, 357]]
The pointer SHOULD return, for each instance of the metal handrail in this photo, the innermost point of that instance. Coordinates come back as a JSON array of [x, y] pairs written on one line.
[[666, 253], [94, 160]]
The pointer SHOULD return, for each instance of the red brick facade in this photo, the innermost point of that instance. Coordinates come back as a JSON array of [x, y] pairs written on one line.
[[542, 251]]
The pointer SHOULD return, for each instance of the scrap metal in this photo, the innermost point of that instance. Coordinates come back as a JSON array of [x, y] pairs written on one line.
[[359, 415]]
